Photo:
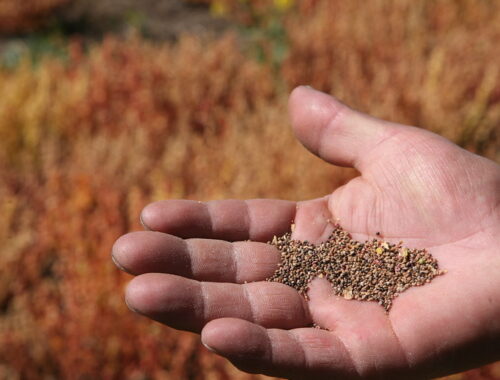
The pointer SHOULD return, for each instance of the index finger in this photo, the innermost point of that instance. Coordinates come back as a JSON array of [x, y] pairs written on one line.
[[232, 220]]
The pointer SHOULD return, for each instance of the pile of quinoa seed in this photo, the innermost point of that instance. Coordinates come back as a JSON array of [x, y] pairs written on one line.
[[371, 271]]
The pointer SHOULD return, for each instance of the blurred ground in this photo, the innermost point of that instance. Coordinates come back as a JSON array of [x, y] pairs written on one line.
[[94, 128], [91, 20], [159, 20]]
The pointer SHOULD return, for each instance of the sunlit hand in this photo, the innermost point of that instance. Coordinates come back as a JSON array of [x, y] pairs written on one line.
[[414, 186]]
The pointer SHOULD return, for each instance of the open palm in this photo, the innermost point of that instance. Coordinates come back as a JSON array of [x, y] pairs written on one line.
[[197, 271]]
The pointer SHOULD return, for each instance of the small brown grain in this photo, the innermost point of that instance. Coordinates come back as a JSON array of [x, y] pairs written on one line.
[[371, 271]]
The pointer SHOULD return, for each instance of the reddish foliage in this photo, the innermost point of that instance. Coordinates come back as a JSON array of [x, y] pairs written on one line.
[[86, 144]]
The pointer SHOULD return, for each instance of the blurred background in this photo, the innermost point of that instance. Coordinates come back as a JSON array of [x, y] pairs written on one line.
[[108, 105]]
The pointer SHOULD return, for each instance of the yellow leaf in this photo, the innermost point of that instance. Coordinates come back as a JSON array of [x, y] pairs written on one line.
[[283, 5], [218, 8]]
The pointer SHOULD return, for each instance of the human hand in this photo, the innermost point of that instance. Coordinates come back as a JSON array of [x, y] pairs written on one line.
[[414, 186]]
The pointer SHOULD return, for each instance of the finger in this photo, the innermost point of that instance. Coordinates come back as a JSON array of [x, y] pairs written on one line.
[[313, 221], [200, 259], [365, 328], [188, 305], [255, 219], [340, 135], [300, 353]]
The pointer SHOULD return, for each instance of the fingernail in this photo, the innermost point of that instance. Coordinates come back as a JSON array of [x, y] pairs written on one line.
[[209, 348], [132, 308], [143, 224], [119, 265], [129, 305]]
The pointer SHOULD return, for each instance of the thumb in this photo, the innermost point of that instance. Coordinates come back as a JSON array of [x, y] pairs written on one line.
[[339, 134]]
